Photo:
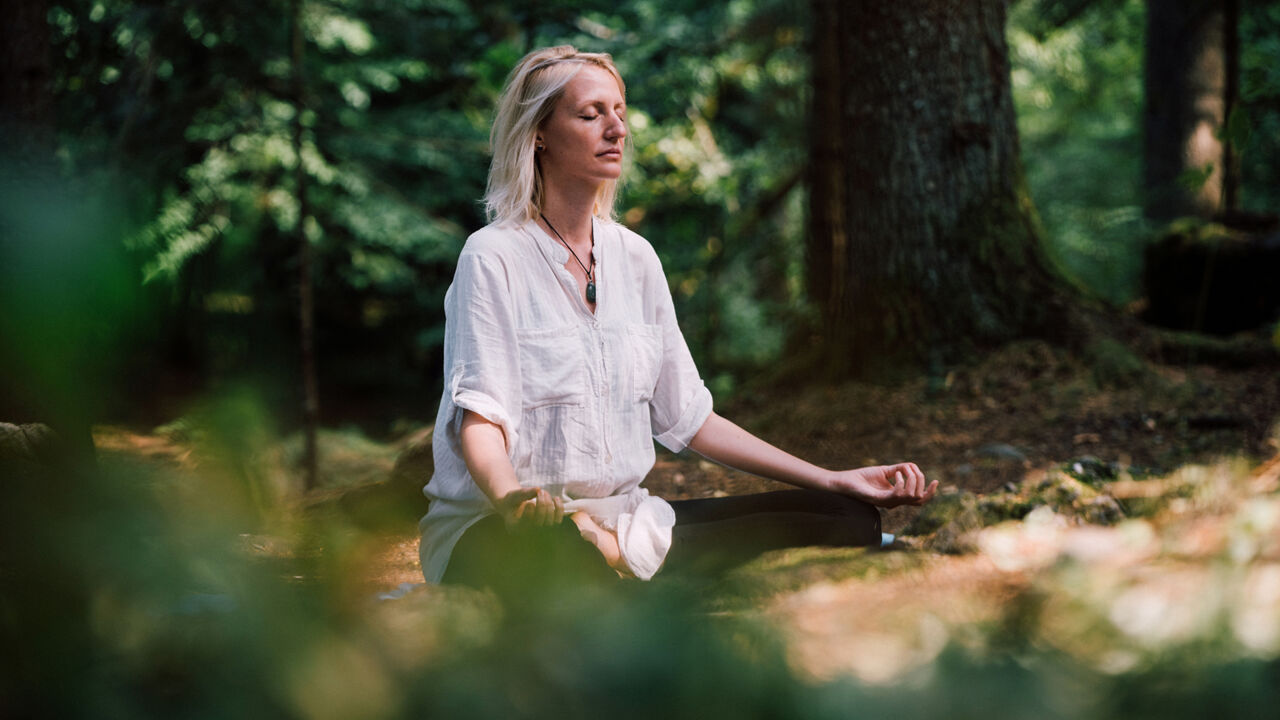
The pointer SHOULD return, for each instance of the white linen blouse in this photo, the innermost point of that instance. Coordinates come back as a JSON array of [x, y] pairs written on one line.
[[579, 396]]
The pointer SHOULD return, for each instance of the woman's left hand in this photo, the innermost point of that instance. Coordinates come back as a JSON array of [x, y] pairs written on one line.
[[886, 485]]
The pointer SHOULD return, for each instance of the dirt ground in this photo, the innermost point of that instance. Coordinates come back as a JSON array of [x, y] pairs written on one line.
[[1189, 455], [1026, 408]]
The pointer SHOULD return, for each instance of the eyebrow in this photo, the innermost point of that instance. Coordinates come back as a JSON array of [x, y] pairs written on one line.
[[599, 103]]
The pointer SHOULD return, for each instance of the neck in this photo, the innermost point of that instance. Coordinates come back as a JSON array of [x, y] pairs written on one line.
[[569, 210]]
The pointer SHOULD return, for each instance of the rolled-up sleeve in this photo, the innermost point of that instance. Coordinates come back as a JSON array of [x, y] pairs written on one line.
[[482, 365], [681, 402]]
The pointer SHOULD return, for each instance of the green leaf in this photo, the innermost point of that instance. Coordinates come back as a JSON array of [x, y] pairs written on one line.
[[1192, 179], [1237, 129]]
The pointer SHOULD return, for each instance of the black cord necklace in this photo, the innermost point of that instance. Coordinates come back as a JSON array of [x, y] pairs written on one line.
[[591, 281]]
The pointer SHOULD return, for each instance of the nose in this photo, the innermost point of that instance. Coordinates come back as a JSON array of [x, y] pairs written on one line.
[[617, 129]]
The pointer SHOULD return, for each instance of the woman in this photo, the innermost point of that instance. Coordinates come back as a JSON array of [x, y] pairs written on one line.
[[564, 361]]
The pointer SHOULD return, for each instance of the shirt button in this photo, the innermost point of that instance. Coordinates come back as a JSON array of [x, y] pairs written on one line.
[[608, 457]]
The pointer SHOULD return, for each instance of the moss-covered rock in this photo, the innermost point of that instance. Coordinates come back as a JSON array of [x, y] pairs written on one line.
[[1114, 365], [946, 522], [783, 571], [1210, 278], [1092, 471]]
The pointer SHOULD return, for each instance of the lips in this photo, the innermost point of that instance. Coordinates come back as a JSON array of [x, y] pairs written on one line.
[[611, 153]]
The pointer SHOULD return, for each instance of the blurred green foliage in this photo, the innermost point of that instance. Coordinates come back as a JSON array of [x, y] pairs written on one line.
[[1078, 93], [158, 591], [1257, 131]]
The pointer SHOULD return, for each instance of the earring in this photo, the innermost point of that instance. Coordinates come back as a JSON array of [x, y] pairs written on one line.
[[541, 147]]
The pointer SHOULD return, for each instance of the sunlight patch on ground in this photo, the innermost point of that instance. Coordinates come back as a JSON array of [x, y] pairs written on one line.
[[1198, 577]]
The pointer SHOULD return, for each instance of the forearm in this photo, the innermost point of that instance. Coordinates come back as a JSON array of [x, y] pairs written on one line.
[[724, 442], [484, 449]]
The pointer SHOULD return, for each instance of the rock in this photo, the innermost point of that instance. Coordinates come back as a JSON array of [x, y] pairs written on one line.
[[1001, 451], [948, 520], [1004, 506], [28, 452], [1209, 278], [941, 510], [1102, 510], [1113, 364], [1063, 492], [1091, 470]]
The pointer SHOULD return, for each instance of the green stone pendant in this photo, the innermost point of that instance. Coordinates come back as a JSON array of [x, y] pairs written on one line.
[[591, 291]]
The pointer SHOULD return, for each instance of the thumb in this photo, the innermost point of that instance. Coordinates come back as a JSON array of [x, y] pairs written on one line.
[[519, 495]]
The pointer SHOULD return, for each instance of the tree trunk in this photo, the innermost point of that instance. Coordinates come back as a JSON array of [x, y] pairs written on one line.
[[828, 243], [306, 304], [1188, 86], [923, 241], [26, 93], [1231, 86]]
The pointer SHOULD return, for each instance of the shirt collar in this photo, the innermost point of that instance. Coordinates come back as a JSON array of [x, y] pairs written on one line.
[[554, 250]]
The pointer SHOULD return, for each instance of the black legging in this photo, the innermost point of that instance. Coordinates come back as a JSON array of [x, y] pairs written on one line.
[[710, 534]]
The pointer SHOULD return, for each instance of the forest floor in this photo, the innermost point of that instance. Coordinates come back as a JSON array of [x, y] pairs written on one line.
[[1112, 519]]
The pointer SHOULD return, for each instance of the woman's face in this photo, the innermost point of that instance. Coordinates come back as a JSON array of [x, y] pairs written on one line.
[[582, 138]]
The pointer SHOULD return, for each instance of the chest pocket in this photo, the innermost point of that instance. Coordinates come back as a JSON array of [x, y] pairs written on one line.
[[645, 353], [552, 368]]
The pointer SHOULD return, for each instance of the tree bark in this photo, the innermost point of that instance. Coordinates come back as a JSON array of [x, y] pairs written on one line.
[[1231, 88], [828, 245], [924, 244], [1188, 86], [26, 94], [306, 304]]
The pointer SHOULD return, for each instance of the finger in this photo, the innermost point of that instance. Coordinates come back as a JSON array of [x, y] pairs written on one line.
[[899, 484], [559, 516], [515, 497], [919, 476], [538, 509], [926, 486], [908, 481], [933, 490], [551, 508], [520, 510]]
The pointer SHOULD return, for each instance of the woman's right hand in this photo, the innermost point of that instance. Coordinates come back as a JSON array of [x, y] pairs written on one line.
[[530, 507]]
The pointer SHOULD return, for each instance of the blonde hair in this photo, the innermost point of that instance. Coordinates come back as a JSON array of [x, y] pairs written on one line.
[[514, 193]]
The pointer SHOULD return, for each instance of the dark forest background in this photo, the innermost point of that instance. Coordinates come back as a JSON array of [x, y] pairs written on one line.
[[174, 156]]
